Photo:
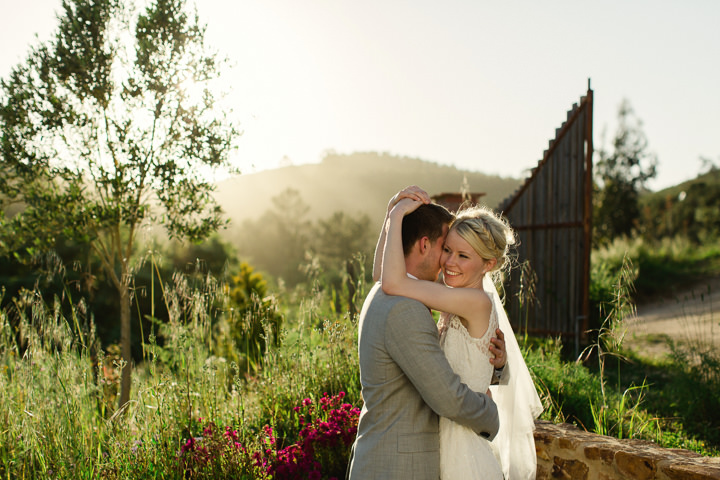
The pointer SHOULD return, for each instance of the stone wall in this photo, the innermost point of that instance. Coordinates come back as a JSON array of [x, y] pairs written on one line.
[[566, 452]]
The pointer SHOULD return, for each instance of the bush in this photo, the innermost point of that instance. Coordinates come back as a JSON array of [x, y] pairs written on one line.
[[321, 449]]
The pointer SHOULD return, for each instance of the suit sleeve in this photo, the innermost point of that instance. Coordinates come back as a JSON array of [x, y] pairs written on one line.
[[412, 340]]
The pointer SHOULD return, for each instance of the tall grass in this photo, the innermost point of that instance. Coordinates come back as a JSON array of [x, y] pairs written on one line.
[[681, 391], [620, 416], [57, 387]]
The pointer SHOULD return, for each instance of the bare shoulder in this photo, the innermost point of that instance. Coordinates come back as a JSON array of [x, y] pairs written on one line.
[[473, 300], [477, 318]]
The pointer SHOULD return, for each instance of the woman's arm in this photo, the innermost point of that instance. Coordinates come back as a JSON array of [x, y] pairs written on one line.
[[412, 191], [377, 260], [468, 303]]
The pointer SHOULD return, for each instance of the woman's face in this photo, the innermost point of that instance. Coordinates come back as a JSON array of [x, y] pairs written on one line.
[[461, 265]]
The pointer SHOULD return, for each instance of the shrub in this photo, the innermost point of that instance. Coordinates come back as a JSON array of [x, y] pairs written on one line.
[[321, 451]]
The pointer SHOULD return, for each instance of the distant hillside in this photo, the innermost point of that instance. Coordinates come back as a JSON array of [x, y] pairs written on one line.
[[357, 183], [690, 209], [700, 183]]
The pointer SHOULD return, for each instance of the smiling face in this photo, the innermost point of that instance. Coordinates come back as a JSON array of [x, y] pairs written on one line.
[[461, 264]]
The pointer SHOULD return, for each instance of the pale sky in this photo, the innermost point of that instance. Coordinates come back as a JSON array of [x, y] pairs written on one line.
[[476, 84]]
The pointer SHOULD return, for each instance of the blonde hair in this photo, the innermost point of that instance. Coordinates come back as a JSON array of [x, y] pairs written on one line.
[[487, 232]]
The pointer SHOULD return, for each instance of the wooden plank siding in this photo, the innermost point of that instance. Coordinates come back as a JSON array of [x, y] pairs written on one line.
[[551, 214]]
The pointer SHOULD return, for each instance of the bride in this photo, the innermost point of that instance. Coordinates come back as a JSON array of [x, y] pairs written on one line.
[[476, 247]]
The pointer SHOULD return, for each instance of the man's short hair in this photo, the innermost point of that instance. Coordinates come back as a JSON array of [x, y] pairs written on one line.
[[427, 221]]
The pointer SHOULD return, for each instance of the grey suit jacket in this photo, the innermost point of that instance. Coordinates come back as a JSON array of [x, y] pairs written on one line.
[[406, 383]]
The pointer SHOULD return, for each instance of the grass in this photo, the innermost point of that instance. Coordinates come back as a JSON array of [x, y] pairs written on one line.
[[661, 266], [59, 392], [195, 414], [679, 393]]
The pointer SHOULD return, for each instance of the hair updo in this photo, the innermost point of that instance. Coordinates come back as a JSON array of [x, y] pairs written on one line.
[[487, 232]]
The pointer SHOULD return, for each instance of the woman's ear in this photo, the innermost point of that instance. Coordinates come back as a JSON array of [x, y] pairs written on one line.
[[491, 264]]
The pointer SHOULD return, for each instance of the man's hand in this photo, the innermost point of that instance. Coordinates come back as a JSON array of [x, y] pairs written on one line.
[[497, 348]]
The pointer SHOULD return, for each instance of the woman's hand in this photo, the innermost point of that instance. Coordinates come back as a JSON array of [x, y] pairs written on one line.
[[413, 192], [404, 206]]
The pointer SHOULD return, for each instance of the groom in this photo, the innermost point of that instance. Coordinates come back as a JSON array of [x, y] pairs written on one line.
[[406, 379]]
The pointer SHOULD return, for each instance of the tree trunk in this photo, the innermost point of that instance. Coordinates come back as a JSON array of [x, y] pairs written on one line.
[[125, 344]]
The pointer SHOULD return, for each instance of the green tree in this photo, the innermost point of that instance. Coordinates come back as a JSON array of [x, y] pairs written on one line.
[[214, 256], [278, 241], [621, 174], [255, 319], [109, 127], [342, 235], [344, 246]]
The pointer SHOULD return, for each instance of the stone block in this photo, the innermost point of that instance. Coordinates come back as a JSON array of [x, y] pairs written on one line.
[[601, 451], [545, 436], [542, 453], [569, 443], [543, 473], [635, 465], [691, 471], [570, 469], [679, 452]]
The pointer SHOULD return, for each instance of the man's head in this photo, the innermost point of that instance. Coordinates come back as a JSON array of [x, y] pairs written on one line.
[[423, 235]]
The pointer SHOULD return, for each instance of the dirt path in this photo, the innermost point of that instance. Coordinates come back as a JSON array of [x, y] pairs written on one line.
[[690, 316]]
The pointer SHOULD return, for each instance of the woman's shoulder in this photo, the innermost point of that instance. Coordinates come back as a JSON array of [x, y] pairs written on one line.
[[478, 316]]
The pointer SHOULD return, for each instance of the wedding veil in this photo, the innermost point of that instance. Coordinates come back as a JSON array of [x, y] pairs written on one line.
[[518, 403]]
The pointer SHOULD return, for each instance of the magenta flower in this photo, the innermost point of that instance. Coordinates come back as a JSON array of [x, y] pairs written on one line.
[[320, 451]]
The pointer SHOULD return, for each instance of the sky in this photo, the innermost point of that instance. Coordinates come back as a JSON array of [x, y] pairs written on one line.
[[476, 84]]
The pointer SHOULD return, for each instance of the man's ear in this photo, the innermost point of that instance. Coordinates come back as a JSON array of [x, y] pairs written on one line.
[[424, 245]]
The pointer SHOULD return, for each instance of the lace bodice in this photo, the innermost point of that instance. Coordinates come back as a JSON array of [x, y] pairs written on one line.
[[468, 356]]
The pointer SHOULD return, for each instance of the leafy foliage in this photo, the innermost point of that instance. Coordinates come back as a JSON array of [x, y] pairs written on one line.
[[689, 210], [254, 322], [621, 175], [287, 245], [102, 135]]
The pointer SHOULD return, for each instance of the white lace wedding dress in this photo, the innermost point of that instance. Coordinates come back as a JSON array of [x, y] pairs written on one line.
[[463, 453]]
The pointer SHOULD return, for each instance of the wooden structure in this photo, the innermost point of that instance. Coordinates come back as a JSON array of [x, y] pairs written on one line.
[[547, 292], [453, 201]]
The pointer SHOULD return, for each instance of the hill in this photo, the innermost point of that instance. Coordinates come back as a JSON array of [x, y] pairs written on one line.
[[709, 179], [358, 183], [690, 209]]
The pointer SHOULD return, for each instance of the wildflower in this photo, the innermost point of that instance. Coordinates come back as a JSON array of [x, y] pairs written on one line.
[[189, 446]]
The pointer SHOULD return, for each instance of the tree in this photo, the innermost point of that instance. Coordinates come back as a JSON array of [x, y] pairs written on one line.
[[255, 320], [344, 245], [110, 127], [341, 236], [278, 241], [621, 175]]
